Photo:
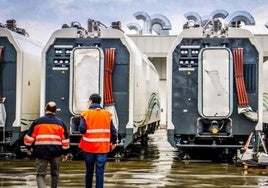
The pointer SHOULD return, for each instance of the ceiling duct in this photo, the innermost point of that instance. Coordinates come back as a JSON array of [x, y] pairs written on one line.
[[193, 16], [147, 26], [136, 27], [160, 24], [240, 16], [205, 20], [219, 14], [159, 31], [161, 20]]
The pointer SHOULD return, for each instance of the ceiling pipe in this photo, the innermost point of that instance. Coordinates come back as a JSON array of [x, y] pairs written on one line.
[[193, 16], [160, 24], [147, 26], [161, 20], [159, 31], [136, 27], [240, 16], [219, 14], [205, 20]]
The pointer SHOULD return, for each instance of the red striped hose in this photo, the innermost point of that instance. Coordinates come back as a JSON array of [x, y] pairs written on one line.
[[239, 77], [109, 61]]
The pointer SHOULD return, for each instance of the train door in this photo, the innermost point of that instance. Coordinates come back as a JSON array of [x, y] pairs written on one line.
[[215, 91], [86, 77]]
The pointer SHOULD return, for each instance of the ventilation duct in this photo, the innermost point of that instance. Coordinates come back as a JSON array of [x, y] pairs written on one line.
[[219, 14], [136, 27], [193, 16], [240, 16], [147, 27], [158, 30], [160, 24], [161, 20], [205, 20]]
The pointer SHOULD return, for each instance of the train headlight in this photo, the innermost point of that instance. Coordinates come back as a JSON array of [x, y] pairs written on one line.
[[68, 51], [214, 127], [58, 51], [214, 130]]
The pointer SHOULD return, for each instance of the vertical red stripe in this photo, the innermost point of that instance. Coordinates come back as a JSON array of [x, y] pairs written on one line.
[[239, 77], [109, 66]]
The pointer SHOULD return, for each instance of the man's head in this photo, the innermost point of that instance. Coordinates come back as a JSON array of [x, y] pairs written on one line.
[[95, 98], [51, 107]]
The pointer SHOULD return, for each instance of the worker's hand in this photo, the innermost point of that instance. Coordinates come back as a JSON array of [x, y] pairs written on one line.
[[64, 158], [29, 151], [113, 146]]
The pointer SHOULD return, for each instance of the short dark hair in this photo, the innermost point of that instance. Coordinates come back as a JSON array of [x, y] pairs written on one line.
[[95, 98], [51, 107]]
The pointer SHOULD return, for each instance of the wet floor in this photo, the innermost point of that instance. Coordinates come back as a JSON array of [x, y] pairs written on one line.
[[154, 166]]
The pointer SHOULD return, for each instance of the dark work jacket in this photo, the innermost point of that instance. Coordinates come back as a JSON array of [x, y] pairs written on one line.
[[48, 137]]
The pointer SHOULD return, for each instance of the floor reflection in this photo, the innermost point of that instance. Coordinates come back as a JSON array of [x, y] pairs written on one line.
[[153, 166]]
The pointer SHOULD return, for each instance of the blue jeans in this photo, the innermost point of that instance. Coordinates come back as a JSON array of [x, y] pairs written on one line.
[[92, 160]]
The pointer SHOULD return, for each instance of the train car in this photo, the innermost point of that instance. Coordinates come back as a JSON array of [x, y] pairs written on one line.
[[78, 62], [265, 93], [265, 99], [257, 155], [215, 85], [20, 69]]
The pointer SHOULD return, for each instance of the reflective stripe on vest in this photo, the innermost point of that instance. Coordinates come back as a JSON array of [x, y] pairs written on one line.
[[48, 136], [96, 139], [28, 140], [47, 143], [66, 143], [48, 139], [98, 130]]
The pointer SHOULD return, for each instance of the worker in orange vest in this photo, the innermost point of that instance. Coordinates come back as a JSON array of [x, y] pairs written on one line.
[[99, 138], [49, 141]]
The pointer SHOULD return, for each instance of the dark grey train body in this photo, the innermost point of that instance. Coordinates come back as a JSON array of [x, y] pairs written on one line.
[[58, 82], [20, 69], [134, 81], [203, 104]]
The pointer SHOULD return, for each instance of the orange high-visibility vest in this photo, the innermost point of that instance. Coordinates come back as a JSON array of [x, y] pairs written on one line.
[[47, 134], [97, 138]]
